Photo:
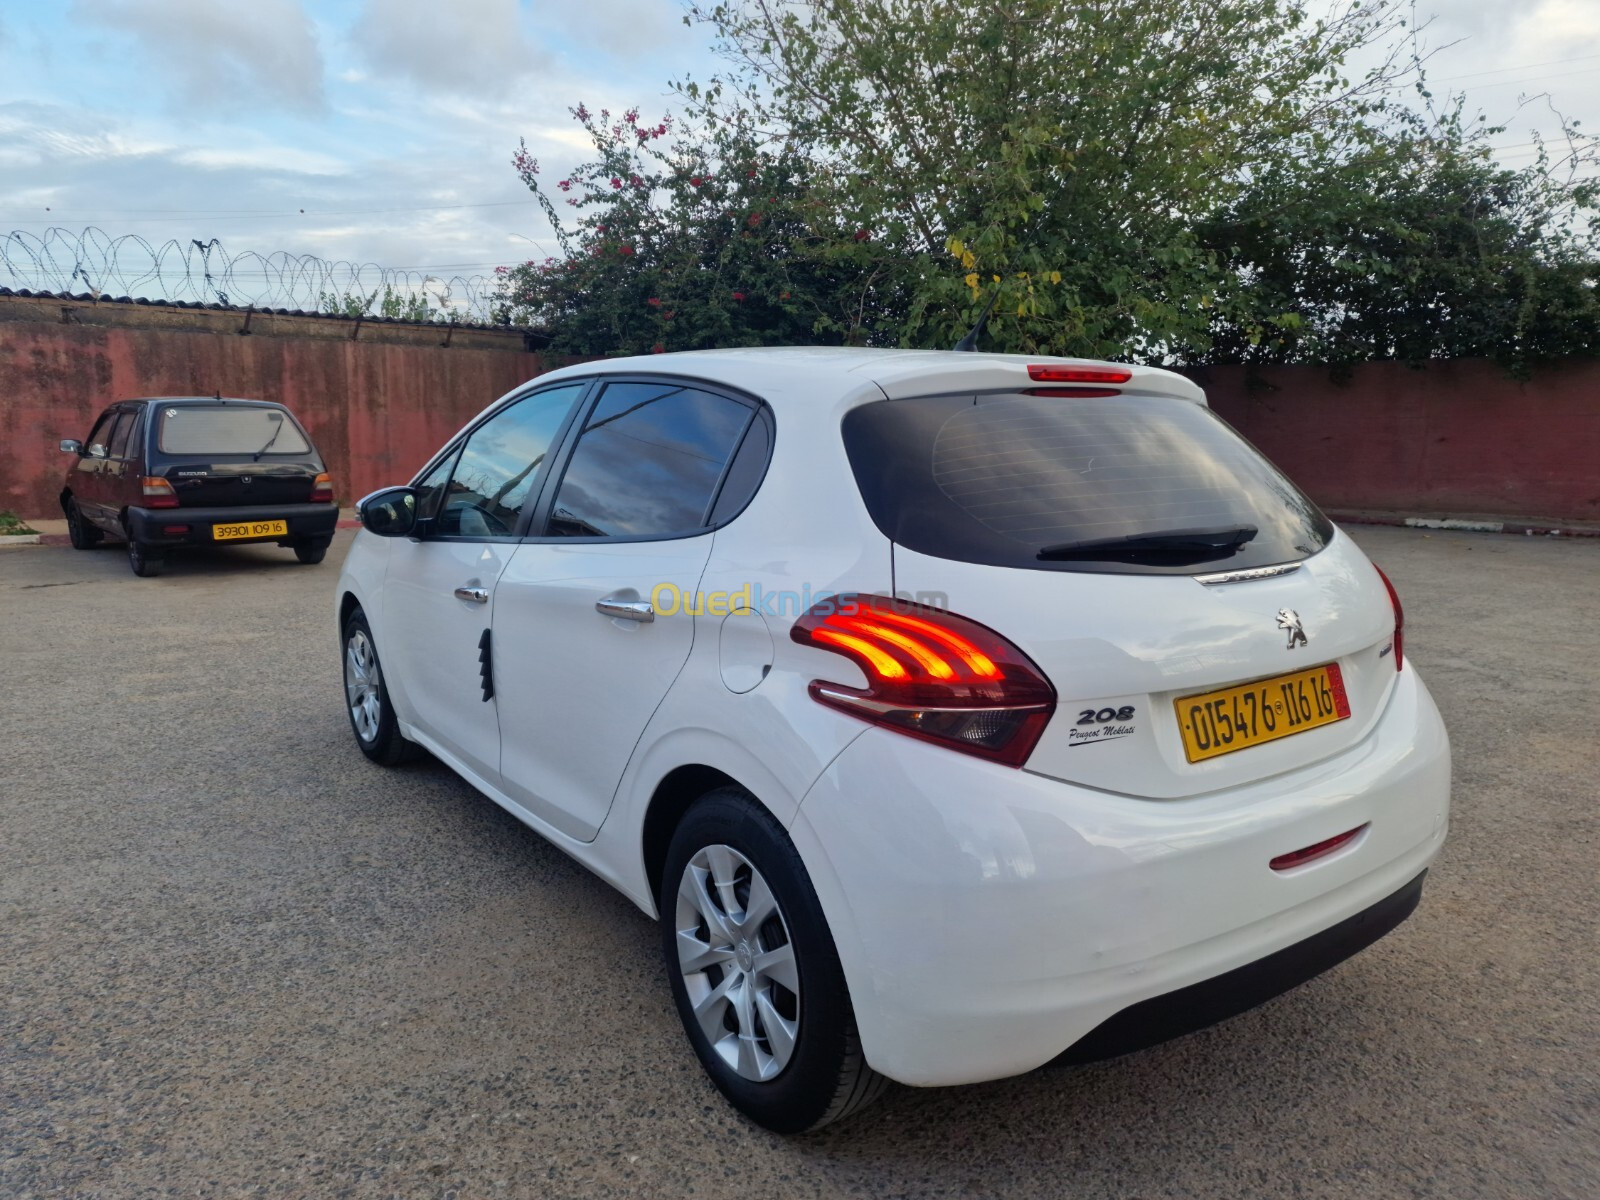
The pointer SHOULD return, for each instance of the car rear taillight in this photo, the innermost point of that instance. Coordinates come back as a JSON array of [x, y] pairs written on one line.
[[1399, 619], [157, 492], [322, 489], [1049, 373], [932, 675]]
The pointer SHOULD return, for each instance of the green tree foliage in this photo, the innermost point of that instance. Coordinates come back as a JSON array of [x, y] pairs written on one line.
[[1419, 247], [1186, 181], [680, 241]]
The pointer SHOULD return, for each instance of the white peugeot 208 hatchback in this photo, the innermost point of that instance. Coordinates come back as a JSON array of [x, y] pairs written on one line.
[[952, 713]]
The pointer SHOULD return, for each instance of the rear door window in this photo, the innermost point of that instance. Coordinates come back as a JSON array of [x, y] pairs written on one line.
[[648, 463], [999, 479], [124, 432], [229, 430]]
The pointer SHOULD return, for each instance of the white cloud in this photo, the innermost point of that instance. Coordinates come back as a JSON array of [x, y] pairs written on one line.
[[469, 47], [228, 55]]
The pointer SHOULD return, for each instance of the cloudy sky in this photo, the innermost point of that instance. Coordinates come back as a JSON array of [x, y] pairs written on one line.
[[390, 123]]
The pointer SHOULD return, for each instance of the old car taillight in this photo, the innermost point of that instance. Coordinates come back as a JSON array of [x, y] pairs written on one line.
[[931, 675], [157, 492], [1399, 618], [322, 489]]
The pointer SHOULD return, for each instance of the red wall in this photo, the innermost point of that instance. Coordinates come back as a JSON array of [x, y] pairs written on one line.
[[1455, 437], [376, 411]]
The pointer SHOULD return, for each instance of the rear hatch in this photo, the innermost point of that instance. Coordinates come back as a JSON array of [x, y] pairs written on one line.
[[234, 454], [1085, 530]]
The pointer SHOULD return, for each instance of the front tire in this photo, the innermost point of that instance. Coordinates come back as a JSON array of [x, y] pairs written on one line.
[[367, 704], [754, 972], [83, 535]]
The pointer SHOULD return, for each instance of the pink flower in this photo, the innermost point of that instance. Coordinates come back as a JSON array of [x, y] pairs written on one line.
[[694, 181], [658, 348], [581, 113], [624, 249], [616, 183], [738, 295], [753, 220], [654, 302], [636, 181], [863, 234], [565, 185]]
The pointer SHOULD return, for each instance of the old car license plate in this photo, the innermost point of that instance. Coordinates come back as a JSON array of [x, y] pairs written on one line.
[[249, 529], [1236, 718]]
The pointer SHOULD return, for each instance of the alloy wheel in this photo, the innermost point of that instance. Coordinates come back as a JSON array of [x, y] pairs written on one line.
[[738, 963]]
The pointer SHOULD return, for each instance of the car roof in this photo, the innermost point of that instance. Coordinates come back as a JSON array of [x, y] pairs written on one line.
[[200, 400], [827, 374]]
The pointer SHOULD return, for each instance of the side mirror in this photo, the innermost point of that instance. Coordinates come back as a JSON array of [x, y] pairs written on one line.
[[71, 446], [391, 512]]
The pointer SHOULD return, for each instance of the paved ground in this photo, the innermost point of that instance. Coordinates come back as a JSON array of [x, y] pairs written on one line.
[[235, 959]]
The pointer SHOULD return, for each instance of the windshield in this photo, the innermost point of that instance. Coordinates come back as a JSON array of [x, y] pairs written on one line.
[[229, 429], [1139, 484]]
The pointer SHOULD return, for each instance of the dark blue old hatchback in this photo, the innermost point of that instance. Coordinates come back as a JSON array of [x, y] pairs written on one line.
[[173, 471]]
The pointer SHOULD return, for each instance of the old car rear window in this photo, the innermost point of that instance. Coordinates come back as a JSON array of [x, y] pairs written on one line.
[[223, 429], [998, 479]]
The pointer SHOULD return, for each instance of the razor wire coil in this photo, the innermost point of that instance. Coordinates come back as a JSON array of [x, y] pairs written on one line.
[[196, 270]]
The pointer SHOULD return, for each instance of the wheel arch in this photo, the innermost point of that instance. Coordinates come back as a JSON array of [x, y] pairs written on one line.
[[672, 798], [348, 603]]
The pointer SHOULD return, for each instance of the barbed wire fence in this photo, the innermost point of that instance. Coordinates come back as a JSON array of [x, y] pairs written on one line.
[[200, 271]]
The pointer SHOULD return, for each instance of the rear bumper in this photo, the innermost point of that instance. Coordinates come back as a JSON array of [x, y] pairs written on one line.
[[1173, 1014], [150, 525], [990, 920]]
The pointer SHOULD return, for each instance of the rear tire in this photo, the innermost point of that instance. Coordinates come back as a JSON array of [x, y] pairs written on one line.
[[758, 983], [83, 535], [311, 551], [145, 561], [366, 696]]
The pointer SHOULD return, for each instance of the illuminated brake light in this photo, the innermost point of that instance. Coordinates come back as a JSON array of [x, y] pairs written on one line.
[[1298, 858], [1079, 393], [1048, 373], [1399, 618], [322, 489], [157, 492], [931, 675]]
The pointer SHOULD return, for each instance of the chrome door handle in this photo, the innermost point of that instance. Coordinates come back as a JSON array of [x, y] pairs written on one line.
[[626, 610], [477, 595]]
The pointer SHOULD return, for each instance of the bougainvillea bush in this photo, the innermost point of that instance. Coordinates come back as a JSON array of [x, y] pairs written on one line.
[[679, 239]]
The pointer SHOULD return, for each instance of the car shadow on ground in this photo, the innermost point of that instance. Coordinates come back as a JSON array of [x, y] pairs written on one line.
[[212, 560]]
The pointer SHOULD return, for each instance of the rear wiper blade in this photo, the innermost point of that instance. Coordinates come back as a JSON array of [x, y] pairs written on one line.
[[268, 446], [1216, 537]]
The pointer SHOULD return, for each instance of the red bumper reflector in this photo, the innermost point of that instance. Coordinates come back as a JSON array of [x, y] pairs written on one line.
[[1296, 858], [174, 529]]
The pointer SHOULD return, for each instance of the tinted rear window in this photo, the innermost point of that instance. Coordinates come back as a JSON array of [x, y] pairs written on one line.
[[217, 429], [995, 479]]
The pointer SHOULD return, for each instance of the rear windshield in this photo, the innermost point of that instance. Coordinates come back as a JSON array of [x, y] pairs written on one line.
[[229, 429], [999, 479]]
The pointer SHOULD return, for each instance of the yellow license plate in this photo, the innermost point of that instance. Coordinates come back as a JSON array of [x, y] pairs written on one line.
[[249, 529], [1236, 718]]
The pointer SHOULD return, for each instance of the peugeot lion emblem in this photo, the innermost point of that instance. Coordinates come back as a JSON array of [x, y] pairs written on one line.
[[1290, 620]]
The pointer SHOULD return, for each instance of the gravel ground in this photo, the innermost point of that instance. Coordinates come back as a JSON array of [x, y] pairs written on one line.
[[239, 960]]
